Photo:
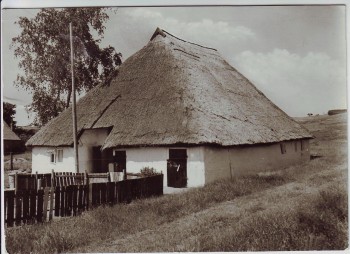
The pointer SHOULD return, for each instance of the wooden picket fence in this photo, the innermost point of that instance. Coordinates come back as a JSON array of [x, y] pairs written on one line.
[[32, 206], [27, 181]]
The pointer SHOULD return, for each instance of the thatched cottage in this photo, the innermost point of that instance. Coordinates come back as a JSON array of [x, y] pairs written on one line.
[[180, 108]]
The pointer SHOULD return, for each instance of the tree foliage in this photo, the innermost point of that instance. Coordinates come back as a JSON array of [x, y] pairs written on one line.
[[9, 111], [43, 48]]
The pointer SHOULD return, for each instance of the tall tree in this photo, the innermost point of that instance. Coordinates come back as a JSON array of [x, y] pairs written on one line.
[[43, 48], [9, 114]]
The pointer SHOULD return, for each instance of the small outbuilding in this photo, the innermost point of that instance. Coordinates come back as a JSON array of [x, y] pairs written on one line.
[[180, 108], [12, 143]]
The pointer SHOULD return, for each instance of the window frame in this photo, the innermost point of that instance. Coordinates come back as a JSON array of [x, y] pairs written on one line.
[[57, 157], [54, 155]]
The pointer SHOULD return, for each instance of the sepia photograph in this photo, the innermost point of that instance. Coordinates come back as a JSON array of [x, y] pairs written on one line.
[[181, 127]]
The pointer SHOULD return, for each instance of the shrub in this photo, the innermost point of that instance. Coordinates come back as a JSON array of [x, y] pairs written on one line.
[[148, 171]]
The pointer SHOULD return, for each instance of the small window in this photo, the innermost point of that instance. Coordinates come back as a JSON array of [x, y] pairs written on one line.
[[296, 146], [283, 148], [52, 158], [56, 155], [59, 155], [302, 145]]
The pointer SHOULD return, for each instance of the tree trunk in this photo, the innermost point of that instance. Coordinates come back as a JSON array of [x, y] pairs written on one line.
[[56, 102]]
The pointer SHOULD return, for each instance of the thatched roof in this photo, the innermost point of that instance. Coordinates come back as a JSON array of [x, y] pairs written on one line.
[[8, 133], [175, 92]]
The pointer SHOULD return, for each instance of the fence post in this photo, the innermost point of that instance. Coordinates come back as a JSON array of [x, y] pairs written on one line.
[[18, 203], [10, 197], [52, 193], [39, 208], [90, 196], [16, 182], [53, 182], [124, 177], [39, 183], [36, 180], [86, 178], [46, 200]]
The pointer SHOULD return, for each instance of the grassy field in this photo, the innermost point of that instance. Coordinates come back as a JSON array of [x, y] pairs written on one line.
[[298, 208]]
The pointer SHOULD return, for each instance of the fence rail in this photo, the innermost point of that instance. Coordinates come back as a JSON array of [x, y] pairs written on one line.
[[31, 205], [27, 181]]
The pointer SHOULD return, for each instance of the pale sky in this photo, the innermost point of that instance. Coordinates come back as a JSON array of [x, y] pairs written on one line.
[[296, 55]]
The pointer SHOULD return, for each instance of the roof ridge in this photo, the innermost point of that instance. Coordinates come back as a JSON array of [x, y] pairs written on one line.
[[161, 32], [188, 41]]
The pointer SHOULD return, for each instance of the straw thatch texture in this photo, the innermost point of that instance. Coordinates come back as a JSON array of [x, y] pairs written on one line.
[[8, 133], [175, 92]]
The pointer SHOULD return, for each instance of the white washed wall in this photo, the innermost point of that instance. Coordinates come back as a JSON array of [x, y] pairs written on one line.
[[195, 167], [41, 160], [156, 157], [204, 164], [229, 162]]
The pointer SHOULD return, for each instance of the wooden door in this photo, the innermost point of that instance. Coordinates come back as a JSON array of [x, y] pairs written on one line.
[[177, 168], [119, 161]]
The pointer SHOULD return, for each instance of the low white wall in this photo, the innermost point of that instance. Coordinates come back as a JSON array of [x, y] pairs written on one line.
[[229, 162], [156, 157]]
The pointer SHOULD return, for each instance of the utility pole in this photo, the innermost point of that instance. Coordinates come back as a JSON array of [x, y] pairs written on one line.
[[74, 110]]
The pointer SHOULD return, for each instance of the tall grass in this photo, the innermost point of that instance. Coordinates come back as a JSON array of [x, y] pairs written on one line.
[[317, 223], [121, 220]]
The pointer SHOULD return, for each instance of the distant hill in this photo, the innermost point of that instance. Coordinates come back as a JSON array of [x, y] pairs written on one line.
[[336, 111]]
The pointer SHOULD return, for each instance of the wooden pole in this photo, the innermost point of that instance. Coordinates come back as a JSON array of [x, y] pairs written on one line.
[[74, 111], [11, 161]]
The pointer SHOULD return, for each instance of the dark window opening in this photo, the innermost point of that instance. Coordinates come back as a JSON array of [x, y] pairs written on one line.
[[52, 157]]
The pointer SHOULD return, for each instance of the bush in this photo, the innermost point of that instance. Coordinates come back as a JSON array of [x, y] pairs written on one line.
[[148, 171]]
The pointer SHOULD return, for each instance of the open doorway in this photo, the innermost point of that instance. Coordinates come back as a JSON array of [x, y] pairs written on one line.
[[101, 159], [177, 168]]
